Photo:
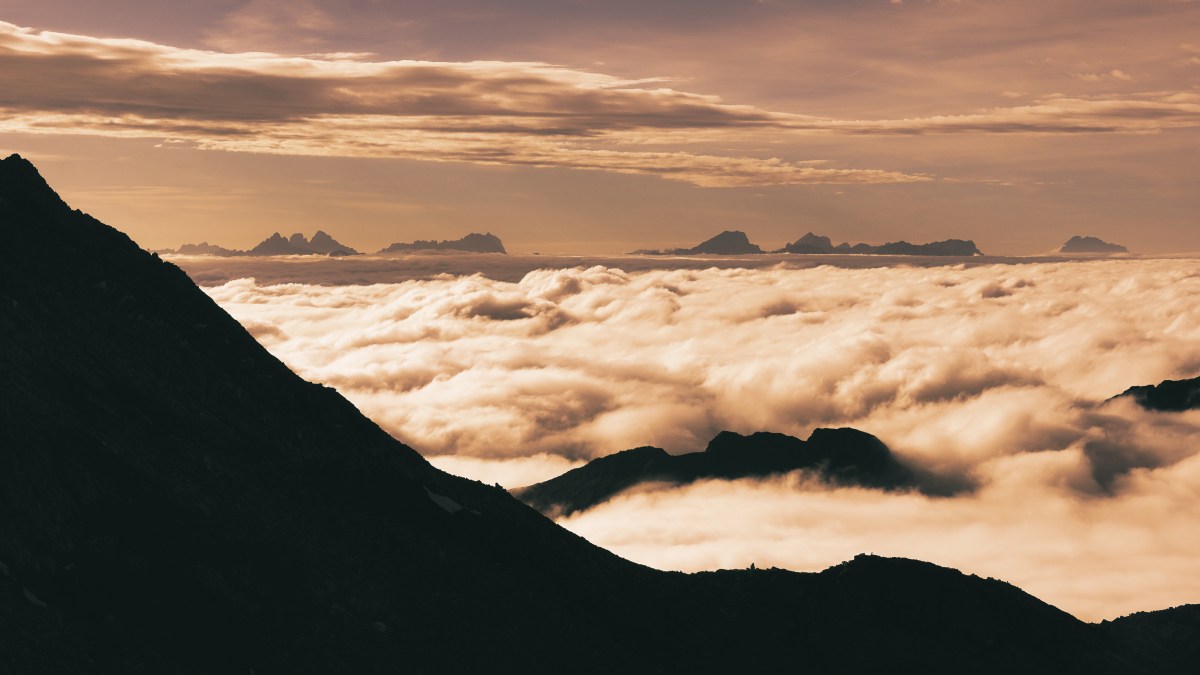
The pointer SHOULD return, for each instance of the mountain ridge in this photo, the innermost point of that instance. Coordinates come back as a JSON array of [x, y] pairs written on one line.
[[735, 242], [471, 243], [836, 456], [276, 244], [1166, 396]]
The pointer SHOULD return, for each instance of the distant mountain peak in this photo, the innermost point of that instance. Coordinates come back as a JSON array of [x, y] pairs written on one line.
[[729, 242], [276, 244], [472, 243], [814, 244], [1084, 244]]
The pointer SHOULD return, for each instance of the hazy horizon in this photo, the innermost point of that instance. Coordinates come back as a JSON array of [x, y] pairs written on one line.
[[601, 127]]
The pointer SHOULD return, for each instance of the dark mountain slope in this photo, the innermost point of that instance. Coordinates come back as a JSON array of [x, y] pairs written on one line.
[[1164, 640], [1167, 396], [843, 456], [174, 500], [168, 487]]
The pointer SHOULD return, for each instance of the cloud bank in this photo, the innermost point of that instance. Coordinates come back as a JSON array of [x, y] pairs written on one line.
[[995, 376], [482, 112]]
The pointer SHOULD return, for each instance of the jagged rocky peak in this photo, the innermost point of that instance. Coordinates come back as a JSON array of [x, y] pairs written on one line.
[[1082, 244], [276, 244]]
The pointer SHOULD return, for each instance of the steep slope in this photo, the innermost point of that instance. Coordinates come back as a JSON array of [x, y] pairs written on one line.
[[174, 500], [168, 487], [840, 456]]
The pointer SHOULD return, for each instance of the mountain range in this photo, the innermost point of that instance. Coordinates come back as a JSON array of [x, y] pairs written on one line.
[[737, 243], [323, 244], [297, 244], [174, 500]]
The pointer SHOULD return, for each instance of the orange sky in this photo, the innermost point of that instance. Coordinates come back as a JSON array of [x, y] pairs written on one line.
[[598, 127]]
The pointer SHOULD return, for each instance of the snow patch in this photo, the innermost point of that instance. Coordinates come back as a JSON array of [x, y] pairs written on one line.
[[445, 502]]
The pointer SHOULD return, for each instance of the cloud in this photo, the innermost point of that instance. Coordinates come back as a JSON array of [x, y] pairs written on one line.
[[483, 112], [952, 366], [992, 375], [486, 112]]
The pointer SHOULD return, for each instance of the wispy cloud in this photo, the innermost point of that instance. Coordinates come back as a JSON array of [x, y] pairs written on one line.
[[486, 112], [528, 114]]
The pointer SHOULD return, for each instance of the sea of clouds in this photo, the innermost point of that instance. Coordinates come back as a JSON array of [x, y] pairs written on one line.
[[995, 377]]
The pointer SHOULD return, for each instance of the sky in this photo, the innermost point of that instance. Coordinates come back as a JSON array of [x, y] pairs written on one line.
[[596, 127], [995, 378]]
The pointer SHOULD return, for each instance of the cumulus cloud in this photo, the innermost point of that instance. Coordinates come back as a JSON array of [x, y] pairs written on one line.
[[994, 375], [483, 112]]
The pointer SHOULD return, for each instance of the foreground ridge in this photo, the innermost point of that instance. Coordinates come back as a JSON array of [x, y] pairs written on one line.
[[174, 500]]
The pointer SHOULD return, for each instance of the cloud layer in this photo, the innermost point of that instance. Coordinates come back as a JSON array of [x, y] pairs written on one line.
[[483, 112], [488, 112], [995, 376]]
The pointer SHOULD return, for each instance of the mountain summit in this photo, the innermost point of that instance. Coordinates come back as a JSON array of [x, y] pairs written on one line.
[[174, 500], [1078, 244]]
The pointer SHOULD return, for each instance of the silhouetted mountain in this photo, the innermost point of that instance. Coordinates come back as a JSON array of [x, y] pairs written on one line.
[[815, 244], [205, 248], [321, 243], [729, 242], [1162, 641], [726, 243], [472, 243], [840, 456], [1168, 395], [964, 247], [174, 500], [1079, 244], [811, 243], [277, 245], [297, 244]]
